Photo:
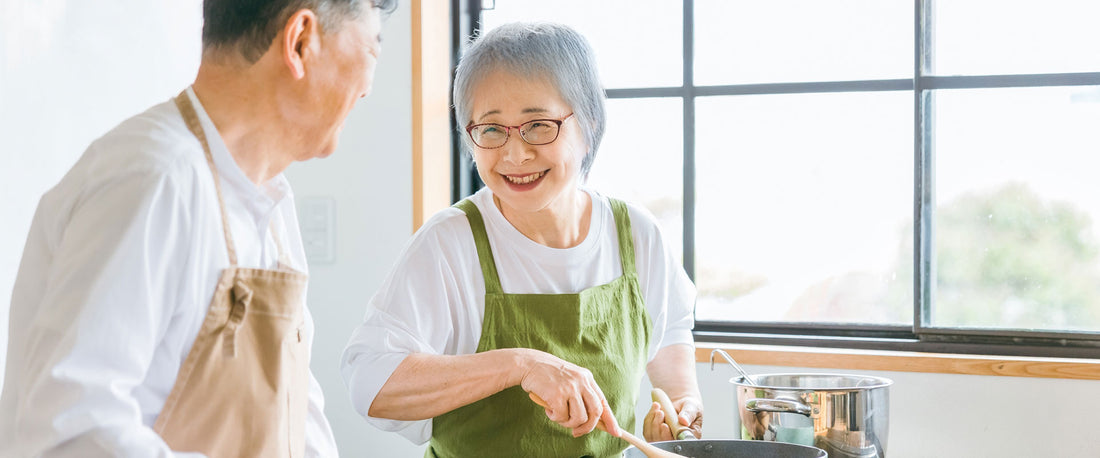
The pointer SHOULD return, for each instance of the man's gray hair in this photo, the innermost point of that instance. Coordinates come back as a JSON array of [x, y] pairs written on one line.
[[552, 52], [251, 25]]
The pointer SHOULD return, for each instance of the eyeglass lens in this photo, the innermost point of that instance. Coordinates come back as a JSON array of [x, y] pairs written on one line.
[[537, 132]]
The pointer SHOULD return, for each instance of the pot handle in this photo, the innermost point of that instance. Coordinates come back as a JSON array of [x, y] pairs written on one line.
[[777, 405]]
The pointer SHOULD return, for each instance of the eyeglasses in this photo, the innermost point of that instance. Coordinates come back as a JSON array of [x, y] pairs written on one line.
[[534, 132]]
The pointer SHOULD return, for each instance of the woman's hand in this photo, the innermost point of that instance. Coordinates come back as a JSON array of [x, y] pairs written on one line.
[[689, 412], [673, 370], [573, 399]]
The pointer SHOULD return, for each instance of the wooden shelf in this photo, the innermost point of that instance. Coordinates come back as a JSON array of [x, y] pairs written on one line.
[[833, 358]]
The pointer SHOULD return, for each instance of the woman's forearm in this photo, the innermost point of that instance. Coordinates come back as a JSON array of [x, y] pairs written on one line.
[[424, 386], [673, 370]]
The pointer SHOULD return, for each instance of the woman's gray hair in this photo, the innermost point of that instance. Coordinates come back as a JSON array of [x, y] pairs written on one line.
[[541, 50]]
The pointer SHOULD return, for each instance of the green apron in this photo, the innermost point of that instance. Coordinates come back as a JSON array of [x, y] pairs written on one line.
[[605, 329]]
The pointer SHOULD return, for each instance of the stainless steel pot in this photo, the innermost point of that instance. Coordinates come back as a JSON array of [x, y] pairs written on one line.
[[845, 415], [728, 448]]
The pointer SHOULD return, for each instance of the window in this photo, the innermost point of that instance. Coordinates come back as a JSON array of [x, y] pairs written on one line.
[[860, 173]]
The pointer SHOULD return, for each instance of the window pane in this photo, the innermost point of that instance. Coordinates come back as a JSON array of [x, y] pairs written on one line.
[[979, 37], [637, 43], [641, 160], [753, 41], [805, 205], [1017, 204]]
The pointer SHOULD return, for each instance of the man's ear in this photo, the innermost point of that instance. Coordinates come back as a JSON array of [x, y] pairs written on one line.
[[301, 38]]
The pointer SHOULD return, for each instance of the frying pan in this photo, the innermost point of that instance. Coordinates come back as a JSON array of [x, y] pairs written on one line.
[[719, 448], [730, 448]]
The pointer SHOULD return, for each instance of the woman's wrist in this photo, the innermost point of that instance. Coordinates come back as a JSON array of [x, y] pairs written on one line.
[[516, 364]]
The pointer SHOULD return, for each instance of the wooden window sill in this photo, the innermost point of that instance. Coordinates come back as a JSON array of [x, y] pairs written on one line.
[[875, 360]]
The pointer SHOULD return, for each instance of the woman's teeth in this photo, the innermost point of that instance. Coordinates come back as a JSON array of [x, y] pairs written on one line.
[[526, 178]]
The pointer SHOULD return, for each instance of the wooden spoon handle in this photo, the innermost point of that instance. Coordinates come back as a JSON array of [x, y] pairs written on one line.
[[648, 449], [672, 419]]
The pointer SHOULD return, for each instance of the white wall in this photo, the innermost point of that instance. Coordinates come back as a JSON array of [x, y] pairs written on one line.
[[71, 70]]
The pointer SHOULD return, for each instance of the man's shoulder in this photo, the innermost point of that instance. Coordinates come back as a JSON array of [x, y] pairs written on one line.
[[154, 145], [156, 138]]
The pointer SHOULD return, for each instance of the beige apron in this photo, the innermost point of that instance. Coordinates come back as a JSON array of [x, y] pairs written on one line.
[[242, 391]]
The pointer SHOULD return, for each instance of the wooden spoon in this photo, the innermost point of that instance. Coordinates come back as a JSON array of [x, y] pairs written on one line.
[[648, 449]]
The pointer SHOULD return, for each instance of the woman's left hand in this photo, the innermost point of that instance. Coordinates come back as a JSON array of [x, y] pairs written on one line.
[[673, 370], [689, 413]]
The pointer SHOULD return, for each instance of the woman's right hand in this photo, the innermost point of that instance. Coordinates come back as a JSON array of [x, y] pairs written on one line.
[[573, 399]]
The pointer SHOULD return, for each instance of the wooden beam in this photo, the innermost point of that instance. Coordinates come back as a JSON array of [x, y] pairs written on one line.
[[871, 360], [431, 123]]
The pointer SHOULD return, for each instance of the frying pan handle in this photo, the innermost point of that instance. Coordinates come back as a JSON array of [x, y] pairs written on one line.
[[777, 405]]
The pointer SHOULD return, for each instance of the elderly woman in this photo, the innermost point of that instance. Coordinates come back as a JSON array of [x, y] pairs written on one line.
[[535, 286]]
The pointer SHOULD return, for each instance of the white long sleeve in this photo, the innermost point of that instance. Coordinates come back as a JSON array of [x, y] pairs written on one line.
[[90, 342], [117, 275]]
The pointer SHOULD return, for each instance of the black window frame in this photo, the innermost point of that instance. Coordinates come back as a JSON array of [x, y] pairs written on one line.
[[921, 336]]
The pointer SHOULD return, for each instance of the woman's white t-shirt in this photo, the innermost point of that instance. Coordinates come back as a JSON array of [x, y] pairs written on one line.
[[433, 300]]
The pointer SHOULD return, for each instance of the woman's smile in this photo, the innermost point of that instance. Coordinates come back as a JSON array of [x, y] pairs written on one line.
[[524, 182]]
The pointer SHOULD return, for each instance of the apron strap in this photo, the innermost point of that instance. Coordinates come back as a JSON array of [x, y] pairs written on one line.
[[284, 258], [626, 238], [484, 251], [183, 102]]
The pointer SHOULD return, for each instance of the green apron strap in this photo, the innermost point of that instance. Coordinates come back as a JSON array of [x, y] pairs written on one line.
[[626, 238], [484, 251]]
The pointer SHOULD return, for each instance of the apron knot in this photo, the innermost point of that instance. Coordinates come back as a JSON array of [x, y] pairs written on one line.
[[242, 294], [242, 297]]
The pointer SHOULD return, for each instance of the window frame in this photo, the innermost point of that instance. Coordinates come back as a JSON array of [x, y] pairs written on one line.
[[921, 336]]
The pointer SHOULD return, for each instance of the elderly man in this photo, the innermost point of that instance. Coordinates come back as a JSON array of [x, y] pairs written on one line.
[[160, 303]]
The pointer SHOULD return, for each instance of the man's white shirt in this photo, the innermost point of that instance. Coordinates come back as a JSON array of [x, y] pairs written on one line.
[[117, 276]]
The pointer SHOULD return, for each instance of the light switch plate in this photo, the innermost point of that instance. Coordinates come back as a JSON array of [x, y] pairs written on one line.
[[317, 218]]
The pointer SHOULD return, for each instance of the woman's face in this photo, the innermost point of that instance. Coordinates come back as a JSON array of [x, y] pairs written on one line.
[[527, 178]]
